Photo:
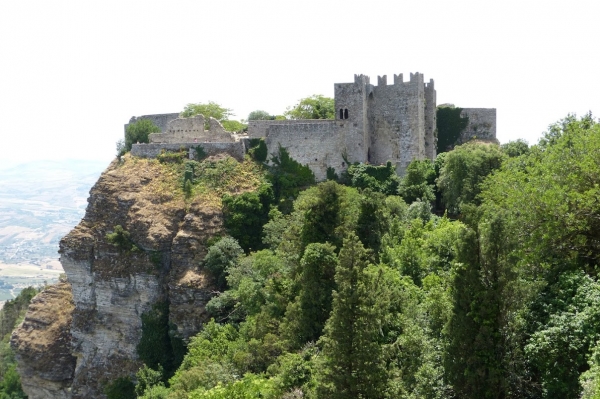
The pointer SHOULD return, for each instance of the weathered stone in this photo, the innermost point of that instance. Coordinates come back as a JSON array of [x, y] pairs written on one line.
[[42, 344]]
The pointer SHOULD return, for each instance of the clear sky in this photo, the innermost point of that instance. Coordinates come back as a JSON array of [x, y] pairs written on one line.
[[73, 72]]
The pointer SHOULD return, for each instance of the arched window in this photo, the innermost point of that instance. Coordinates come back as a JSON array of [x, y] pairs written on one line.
[[346, 113], [341, 113]]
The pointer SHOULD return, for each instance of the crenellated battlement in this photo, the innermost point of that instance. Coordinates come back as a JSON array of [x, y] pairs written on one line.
[[362, 79]]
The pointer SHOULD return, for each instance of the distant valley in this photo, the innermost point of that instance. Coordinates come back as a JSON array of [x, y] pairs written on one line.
[[40, 202]]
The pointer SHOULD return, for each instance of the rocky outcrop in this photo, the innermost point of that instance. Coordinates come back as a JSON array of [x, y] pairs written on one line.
[[42, 344], [112, 286]]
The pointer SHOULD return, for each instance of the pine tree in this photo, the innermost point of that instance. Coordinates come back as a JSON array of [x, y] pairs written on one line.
[[353, 361]]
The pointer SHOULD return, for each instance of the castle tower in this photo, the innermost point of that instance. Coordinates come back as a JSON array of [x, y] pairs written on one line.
[[430, 121], [351, 105], [397, 121]]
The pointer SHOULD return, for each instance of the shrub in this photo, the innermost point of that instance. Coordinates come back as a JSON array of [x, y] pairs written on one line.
[[121, 388], [258, 150], [138, 132]]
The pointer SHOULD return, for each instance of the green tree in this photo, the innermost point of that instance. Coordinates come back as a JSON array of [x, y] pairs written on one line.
[[208, 110], [313, 107], [306, 316], [138, 132], [245, 215], [260, 115], [288, 177], [418, 182], [463, 171], [221, 256], [353, 364], [515, 148]]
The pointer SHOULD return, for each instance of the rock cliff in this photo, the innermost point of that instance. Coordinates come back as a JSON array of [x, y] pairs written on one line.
[[165, 238]]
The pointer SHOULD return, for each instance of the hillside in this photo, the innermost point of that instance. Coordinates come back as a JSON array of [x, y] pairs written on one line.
[[221, 279]]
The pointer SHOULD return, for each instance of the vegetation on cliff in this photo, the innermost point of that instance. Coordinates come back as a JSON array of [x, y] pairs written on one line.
[[11, 315], [359, 292]]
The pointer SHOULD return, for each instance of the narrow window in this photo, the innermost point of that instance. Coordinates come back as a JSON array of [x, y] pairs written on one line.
[[341, 113], [346, 113]]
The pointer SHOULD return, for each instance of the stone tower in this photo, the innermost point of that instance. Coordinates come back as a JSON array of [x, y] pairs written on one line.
[[352, 121], [384, 123]]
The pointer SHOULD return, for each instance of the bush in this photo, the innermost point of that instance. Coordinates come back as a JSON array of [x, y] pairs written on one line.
[[220, 256], [121, 388], [258, 150], [382, 179], [121, 238], [138, 132]]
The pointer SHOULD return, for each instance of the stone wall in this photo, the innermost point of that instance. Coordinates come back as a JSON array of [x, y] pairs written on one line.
[[482, 124], [316, 145], [258, 129], [397, 120], [160, 120], [235, 149], [352, 124], [187, 130]]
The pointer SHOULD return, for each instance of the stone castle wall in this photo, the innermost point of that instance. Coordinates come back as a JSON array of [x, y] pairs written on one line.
[[397, 119], [182, 130], [482, 124], [160, 120], [316, 145], [235, 149], [351, 105]]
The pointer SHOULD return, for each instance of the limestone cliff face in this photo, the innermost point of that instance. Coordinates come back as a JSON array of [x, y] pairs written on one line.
[[42, 344], [113, 286]]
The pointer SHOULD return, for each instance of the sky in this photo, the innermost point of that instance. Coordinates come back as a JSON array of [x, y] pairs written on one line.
[[72, 73]]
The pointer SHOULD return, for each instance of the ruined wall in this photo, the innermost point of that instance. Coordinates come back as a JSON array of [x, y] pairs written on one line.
[[316, 145], [397, 121], [482, 124], [160, 120], [351, 105], [187, 130], [235, 149]]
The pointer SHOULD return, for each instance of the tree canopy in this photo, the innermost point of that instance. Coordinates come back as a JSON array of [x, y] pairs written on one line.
[[314, 107]]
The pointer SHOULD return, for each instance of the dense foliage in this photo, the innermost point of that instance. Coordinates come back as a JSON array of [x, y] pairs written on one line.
[[216, 111], [314, 107], [355, 289], [137, 132], [450, 124], [11, 315]]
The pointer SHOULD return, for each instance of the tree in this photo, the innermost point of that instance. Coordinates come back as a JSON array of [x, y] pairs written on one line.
[[220, 257], [306, 316], [515, 148], [313, 107], [353, 358], [464, 169], [418, 182], [138, 132], [260, 115], [208, 110]]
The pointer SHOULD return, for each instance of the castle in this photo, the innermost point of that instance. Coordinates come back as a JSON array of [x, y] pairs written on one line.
[[373, 124]]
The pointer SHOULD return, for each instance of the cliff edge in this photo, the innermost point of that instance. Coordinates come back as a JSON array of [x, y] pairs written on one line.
[[117, 274]]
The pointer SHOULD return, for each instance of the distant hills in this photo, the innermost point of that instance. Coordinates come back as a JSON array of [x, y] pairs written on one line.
[[40, 202]]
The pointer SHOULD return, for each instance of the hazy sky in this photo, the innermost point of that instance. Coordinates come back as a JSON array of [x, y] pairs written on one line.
[[73, 72]]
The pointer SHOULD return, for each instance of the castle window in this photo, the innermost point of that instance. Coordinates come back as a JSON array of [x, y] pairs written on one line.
[[346, 113], [341, 113]]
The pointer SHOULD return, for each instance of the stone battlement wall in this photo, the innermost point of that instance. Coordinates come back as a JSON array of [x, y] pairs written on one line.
[[316, 145], [160, 120], [258, 129], [182, 130], [482, 124], [235, 149]]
